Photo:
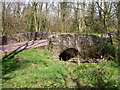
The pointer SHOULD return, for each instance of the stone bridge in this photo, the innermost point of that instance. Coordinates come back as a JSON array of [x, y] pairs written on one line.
[[62, 46], [66, 46]]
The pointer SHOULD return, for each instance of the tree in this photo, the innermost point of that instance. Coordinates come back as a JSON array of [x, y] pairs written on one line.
[[59, 17], [83, 26], [118, 17], [76, 23], [91, 13], [118, 35], [64, 13], [3, 18]]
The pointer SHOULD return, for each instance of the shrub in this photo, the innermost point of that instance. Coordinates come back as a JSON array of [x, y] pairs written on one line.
[[106, 51]]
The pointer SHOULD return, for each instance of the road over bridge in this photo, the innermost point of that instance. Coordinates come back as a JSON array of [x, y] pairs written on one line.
[[4, 49]]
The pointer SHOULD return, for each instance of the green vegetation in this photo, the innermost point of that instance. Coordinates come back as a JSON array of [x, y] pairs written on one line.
[[35, 68], [76, 17]]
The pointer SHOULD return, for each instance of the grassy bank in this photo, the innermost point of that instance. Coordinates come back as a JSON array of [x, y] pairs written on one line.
[[35, 68]]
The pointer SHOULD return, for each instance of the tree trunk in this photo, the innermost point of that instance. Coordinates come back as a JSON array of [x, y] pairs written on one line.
[[40, 16], [77, 17], [83, 26], [118, 35], [35, 16], [118, 16], [3, 18], [63, 6], [100, 12]]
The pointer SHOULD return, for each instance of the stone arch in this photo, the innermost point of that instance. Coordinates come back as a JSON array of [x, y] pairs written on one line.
[[68, 54], [58, 44]]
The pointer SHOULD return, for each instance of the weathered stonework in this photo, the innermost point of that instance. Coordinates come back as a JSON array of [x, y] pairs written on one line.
[[60, 42], [21, 37]]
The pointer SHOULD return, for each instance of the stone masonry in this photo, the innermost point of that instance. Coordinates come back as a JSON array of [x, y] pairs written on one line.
[[60, 42]]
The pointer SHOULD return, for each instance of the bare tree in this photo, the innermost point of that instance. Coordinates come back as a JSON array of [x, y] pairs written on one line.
[[83, 26], [3, 18], [64, 12], [76, 22], [118, 17], [58, 17]]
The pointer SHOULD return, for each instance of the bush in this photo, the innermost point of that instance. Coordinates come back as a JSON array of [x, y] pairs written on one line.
[[106, 51]]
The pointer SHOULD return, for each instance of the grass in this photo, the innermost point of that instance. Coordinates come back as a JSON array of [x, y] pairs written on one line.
[[34, 68]]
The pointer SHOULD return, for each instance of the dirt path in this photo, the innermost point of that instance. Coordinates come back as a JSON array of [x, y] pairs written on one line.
[[21, 46]]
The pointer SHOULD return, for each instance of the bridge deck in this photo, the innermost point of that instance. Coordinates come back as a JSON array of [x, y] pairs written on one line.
[[21, 46]]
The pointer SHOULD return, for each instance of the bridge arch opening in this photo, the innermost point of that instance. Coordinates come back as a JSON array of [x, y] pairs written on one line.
[[68, 54]]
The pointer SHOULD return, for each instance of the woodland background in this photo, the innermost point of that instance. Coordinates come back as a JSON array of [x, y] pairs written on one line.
[[69, 17]]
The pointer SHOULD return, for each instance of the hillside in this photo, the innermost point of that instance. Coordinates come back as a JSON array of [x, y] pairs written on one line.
[[34, 68]]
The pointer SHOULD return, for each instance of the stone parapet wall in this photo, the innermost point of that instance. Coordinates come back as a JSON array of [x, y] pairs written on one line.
[[21, 37], [81, 41]]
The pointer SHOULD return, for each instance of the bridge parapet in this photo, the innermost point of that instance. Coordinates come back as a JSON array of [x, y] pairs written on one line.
[[22, 37]]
